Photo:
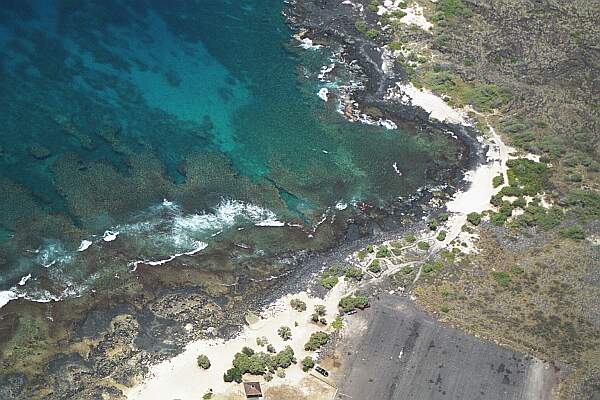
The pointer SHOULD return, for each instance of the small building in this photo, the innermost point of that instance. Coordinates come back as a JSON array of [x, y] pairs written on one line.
[[253, 390]]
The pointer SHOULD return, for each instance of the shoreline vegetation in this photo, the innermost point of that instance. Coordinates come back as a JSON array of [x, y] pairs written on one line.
[[531, 192]]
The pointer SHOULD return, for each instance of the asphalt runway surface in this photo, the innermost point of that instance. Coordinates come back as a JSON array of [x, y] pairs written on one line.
[[404, 354]]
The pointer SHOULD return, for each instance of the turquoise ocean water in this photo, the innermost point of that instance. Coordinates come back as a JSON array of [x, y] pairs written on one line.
[[148, 128]]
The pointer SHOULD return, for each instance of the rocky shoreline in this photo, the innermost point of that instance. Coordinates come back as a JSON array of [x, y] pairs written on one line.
[[131, 340]]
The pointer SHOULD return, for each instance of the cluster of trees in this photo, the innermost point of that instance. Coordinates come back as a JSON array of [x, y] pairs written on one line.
[[350, 303], [258, 363]]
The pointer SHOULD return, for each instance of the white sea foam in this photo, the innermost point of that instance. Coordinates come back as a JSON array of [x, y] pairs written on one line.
[[51, 253], [24, 279], [199, 247], [307, 44], [168, 226], [109, 236], [323, 94], [395, 166], [85, 244], [325, 70], [341, 205], [6, 296]]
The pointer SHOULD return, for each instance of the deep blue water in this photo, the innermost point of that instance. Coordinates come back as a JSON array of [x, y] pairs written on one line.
[[109, 107]]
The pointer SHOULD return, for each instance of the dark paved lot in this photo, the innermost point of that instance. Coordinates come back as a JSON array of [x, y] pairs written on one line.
[[405, 354]]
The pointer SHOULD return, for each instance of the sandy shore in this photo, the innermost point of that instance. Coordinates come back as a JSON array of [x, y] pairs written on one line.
[[181, 378]]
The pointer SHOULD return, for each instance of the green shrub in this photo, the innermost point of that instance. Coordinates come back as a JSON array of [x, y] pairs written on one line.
[[353, 273], [441, 236], [370, 248], [382, 252], [498, 180], [283, 359], [432, 224], [233, 375], [474, 218], [398, 13], [375, 267], [445, 309], [423, 246], [407, 270], [373, 6], [361, 255], [511, 191], [320, 310], [529, 175], [502, 278], [329, 281], [485, 97], [516, 270], [395, 46], [298, 305], [443, 217], [284, 332], [585, 204], [432, 267], [573, 232], [207, 396], [372, 34], [361, 26], [316, 340], [203, 361], [307, 364], [350, 303], [498, 219], [520, 202], [337, 323], [255, 364], [452, 8], [410, 238]]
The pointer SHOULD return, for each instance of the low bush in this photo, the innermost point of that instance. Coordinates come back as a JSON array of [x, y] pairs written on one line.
[[203, 361], [284, 332], [573, 232], [353, 273], [350, 303], [432, 224], [298, 305], [382, 252], [474, 218], [307, 364], [361, 26], [423, 246], [502, 278], [375, 267], [316, 341]]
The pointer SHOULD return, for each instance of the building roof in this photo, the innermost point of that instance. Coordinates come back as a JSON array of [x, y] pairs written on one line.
[[252, 389]]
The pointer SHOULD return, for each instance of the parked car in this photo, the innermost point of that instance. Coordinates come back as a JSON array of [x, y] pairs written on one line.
[[321, 371]]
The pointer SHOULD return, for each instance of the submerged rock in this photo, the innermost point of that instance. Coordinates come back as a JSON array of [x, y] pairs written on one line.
[[38, 151]]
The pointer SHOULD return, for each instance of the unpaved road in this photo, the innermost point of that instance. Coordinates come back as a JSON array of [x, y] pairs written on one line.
[[404, 354]]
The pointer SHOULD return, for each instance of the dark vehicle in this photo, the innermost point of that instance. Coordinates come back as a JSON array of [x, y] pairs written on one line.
[[321, 371], [351, 312]]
